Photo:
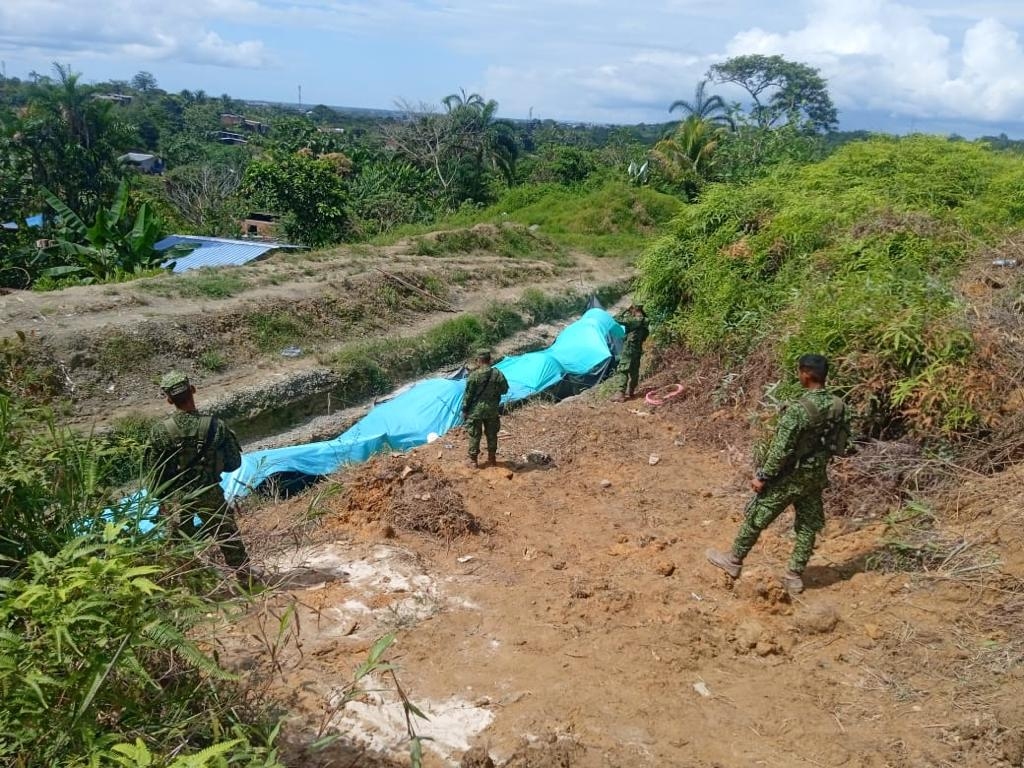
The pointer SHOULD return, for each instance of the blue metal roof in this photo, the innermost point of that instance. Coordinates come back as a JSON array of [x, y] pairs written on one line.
[[215, 251]]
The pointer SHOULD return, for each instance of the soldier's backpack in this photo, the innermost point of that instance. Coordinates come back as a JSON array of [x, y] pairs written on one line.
[[827, 429], [191, 462]]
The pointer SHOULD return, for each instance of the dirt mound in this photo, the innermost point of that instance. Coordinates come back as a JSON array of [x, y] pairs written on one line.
[[399, 492]]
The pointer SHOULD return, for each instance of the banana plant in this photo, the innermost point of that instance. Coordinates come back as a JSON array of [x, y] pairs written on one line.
[[113, 247]]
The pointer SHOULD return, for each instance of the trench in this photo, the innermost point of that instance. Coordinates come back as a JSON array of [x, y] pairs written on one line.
[[317, 404]]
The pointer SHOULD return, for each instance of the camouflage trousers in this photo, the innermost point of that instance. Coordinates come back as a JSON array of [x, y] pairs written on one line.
[[479, 427], [629, 372], [216, 522], [772, 502]]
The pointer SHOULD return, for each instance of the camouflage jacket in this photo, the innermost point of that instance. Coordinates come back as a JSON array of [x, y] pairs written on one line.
[[190, 451], [636, 333], [484, 389], [782, 457]]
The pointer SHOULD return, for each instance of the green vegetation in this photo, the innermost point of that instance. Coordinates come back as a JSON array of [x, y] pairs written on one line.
[[101, 629], [606, 219], [212, 361], [271, 331], [327, 177], [509, 241], [211, 284], [122, 350], [855, 257]]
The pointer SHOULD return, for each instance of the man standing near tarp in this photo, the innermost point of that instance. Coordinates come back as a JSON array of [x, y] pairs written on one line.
[[189, 452], [480, 403], [634, 320], [810, 432]]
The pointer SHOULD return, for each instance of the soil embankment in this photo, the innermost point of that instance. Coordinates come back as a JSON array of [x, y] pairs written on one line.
[[261, 341]]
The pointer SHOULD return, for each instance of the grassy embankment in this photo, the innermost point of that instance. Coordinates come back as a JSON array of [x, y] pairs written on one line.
[[861, 257], [608, 219]]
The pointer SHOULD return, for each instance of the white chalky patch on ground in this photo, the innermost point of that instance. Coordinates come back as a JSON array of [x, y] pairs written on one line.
[[380, 725]]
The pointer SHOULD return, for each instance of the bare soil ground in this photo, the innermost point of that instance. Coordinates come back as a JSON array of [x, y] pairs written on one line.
[[108, 345], [562, 614]]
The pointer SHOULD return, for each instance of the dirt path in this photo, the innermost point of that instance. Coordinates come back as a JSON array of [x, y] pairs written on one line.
[[582, 626]]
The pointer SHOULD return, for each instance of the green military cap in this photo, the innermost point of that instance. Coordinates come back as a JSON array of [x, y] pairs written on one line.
[[175, 383], [483, 354]]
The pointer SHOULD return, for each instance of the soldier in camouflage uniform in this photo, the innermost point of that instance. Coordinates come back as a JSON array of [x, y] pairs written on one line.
[[484, 389], [810, 431], [190, 451], [634, 320]]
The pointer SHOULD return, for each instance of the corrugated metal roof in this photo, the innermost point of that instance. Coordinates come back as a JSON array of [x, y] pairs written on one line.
[[215, 251]]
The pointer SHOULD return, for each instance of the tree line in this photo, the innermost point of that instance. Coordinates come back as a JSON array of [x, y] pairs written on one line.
[[333, 177]]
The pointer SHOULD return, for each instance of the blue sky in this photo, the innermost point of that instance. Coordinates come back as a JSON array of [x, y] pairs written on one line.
[[940, 65]]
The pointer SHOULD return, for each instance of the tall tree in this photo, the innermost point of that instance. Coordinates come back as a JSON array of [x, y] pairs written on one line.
[[687, 158], [712, 109], [458, 146], [144, 82], [782, 91], [72, 140]]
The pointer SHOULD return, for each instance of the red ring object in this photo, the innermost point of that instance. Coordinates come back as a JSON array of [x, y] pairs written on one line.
[[651, 399]]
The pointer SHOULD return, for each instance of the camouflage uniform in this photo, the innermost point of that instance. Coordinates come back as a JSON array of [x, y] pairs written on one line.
[[789, 481], [632, 349], [194, 489], [484, 389]]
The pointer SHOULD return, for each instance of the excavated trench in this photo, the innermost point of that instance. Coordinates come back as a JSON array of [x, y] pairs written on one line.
[[313, 405]]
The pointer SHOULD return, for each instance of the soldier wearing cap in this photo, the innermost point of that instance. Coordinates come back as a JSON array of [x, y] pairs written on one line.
[[190, 451], [634, 320], [484, 389]]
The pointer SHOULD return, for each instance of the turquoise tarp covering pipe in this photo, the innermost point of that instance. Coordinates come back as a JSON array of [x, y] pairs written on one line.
[[423, 412]]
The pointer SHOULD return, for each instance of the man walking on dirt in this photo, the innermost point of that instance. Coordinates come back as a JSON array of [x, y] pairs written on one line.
[[634, 320], [190, 451], [484, 389], [810, 432]]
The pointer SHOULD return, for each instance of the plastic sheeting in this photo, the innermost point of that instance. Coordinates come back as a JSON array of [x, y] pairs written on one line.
[[431, 407]]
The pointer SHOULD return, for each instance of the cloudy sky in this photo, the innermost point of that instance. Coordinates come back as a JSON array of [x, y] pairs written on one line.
[[937, 65]]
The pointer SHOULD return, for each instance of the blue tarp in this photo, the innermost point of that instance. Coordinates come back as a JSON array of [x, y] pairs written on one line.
[[415, 416], [433, 406]]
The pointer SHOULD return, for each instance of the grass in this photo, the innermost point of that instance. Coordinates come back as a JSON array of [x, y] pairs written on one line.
[[606, 219], [272, 331], [855, 257], [204, 283], [511, 242], [122, 351], [212, 361]]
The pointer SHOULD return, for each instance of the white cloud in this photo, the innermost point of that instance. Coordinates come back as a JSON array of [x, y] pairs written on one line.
[[887, 56], [576, 59], [143, 30]]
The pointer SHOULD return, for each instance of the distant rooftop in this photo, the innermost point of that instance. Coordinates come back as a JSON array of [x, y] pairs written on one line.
[[216, 251]]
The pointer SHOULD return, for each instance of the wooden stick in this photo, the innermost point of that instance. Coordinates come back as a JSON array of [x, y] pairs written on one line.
[[447, 307]]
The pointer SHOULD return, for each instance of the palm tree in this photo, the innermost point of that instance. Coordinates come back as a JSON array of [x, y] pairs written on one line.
[[687, 157], [462, 100], [491, 142], [73, 140], [712, 109]]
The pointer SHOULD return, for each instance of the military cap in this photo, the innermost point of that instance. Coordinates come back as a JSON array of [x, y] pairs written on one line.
[[175, 383], [483, 354]]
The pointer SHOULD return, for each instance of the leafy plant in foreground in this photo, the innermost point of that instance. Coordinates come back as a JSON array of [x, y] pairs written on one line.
[[116, 245]]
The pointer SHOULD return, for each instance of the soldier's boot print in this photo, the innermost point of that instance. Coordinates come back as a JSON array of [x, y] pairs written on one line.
[[792, 582], [726, 561]]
